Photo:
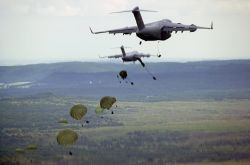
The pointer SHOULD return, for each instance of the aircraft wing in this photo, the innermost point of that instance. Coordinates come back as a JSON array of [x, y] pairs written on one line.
[[142, 55], [126, 30], [115, 56], [147, 55], [180, 27]]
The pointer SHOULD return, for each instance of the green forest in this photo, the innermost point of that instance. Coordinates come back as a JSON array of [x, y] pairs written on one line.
[[165, 132]]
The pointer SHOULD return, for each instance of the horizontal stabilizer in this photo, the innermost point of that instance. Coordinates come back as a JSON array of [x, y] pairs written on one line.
[[135, 9], [120, 47]]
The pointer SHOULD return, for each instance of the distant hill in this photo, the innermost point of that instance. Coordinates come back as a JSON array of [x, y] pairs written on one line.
[[196, 80]]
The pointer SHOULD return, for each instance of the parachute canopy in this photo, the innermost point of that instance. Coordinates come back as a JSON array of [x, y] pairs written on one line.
[[78, 111], [107, 102], [123, 74], [99, 110], [66, 137], [62, 120], [31, 147], [19, 150]]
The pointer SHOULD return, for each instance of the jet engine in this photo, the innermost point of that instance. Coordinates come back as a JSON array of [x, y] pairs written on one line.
[[165, 34], [192, 28], [153, 33]]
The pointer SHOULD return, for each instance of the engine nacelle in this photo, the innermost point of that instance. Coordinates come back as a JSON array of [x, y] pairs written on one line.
[[193, 28], [165, 35], [153, 33]]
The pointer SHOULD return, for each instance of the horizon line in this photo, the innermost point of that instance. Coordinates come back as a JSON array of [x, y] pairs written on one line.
[[120, 62]]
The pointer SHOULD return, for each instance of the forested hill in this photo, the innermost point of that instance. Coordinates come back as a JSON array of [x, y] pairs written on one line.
[[205, 79]]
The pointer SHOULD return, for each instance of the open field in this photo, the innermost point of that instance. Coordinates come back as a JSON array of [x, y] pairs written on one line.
[[168, 132]]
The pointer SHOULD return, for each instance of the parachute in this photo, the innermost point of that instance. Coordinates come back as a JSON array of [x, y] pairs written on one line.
[[124, 75], [99, 110], [20, 150], [62, 120], [78, 111], [66, 137], [107, 102], [31, 147]]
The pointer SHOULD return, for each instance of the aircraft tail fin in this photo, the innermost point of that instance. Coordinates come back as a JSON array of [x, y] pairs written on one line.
[[123, 51], [138, 18], [137, 14]]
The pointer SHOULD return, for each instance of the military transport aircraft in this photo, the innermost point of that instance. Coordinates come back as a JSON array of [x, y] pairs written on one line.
[[130, 57], [155, 31]]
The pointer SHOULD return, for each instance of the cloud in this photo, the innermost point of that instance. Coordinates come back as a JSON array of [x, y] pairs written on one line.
[[42, 7], [81, 7], [234, 5], [114, 5]]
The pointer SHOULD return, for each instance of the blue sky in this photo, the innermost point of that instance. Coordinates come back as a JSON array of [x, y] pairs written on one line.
[[44, 31]]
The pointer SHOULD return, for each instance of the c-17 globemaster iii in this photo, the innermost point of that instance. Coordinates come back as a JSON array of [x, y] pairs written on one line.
[[155, 31], [131, 56]]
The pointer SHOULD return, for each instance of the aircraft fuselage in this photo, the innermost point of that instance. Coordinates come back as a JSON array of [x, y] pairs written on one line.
[[150, 36], [158, 30], [129, 58]]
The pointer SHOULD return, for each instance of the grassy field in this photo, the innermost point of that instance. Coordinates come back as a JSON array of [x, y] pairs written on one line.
[[169, 132]]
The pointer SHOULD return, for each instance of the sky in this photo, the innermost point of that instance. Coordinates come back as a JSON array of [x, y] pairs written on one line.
[[45, 31]]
